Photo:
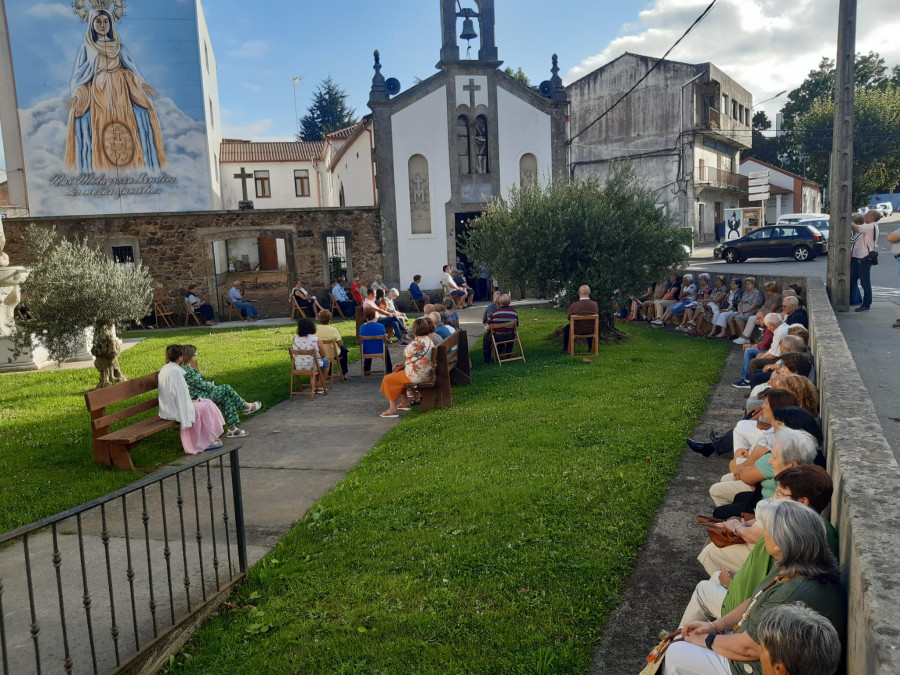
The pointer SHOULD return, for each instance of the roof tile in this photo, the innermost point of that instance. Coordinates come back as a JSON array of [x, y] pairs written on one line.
[[234, 151]]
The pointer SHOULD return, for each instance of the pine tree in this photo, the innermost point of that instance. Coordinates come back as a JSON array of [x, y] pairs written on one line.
[[328, 112]]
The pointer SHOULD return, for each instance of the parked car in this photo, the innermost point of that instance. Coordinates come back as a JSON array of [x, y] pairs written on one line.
[[886, 208], [819, 220], [823, 224], [798, 241]]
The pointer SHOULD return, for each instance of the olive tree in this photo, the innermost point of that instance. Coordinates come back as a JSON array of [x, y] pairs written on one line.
[[72, 287], [553, 238]]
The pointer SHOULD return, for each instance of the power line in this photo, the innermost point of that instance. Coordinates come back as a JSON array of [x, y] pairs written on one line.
[[647, 74]]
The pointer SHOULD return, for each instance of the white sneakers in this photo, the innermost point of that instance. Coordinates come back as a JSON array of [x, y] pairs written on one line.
[[741, 341]]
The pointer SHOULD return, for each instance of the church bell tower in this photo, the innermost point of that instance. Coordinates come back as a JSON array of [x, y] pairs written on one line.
[[451, 19]]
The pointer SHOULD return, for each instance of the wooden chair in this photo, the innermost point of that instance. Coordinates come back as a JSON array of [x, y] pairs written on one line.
[[335, 307], [415, 305], [574, 321], [161, 314], [314, 374], [228, 306], [190, 313], [516, 352], [296, 309], [363, 355], [333, 351]]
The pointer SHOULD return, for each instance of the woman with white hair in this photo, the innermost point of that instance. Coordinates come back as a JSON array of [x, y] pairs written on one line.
[[795, 640], [751, 301], [726, 310], [703, 290], [378, 285], [805, 571]]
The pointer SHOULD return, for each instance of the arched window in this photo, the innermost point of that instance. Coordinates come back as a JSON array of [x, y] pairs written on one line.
[[462, 144], [419, 195], [481, 145], [528, 169]]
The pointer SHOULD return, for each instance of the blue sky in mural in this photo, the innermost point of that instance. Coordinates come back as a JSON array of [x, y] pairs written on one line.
[[164, 47]]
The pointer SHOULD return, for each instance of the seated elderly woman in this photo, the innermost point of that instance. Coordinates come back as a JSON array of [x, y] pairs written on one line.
[[304, 300], [772, 321], [703, 291], [199, 419], [772, 303], [805, 571], [687, 296], [751, 301], [803, 390], [727, 309], [729, 586], [796, 640], [416, 368], [706, 309]]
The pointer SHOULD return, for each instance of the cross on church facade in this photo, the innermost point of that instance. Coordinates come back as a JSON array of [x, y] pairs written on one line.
[[472, 88], [243, 176]]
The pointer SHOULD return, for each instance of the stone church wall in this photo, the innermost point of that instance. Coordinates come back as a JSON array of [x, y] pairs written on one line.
[[178, 248]]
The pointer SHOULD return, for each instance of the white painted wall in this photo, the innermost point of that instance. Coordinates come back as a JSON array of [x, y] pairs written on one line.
[[210, 96], [9, 119], [422, 128], [463, 97], [281, 182], [354, 171], [522, 129]]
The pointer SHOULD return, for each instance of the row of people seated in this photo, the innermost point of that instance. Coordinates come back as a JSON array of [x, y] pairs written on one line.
[[772, 559]]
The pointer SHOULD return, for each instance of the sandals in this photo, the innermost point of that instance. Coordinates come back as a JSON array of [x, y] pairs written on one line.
[[237, 433], [254, 407], [389, 415], [215, 446]]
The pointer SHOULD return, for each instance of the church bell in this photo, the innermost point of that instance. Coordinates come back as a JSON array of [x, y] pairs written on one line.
[[468, 30]]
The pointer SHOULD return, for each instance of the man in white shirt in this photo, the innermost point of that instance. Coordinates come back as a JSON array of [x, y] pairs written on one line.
[[457, 293], [236, 295]]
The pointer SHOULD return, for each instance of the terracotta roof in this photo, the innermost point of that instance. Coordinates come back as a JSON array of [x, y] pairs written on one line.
[[779, 170], [234, 151], [346, 132]]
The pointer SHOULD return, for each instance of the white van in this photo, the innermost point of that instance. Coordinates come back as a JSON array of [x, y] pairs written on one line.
[[886, 208], [822, 221]]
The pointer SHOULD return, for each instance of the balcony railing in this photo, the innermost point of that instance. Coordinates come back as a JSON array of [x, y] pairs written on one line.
[[726, 180], [711, 118], [92, 589]]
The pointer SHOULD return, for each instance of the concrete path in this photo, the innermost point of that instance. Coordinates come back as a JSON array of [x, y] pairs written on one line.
[[296, 452]]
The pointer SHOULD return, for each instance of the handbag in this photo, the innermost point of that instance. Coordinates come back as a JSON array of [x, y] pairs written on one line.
[[655, 658], [718, 537]]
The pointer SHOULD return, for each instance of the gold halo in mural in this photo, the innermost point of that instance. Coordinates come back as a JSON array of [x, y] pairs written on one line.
[[118, 144]]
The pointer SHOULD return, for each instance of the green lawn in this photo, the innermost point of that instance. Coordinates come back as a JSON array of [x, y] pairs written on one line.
[[492, 537], [46, 460]]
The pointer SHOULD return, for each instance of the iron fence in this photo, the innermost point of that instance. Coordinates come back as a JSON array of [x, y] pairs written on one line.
[[92, 588]]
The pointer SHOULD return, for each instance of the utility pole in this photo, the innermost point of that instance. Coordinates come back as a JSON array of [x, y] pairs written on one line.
[[296, 80], [840, 181]]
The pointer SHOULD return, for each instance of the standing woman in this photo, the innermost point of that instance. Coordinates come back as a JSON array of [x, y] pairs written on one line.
[[416, 368], [200, 420], [222, 395]]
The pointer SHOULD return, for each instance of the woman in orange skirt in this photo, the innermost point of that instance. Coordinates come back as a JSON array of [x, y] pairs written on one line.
[[416, 368]]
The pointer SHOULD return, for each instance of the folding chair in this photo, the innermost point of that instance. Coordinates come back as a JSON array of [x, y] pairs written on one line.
[[162, 315], [295, 309], [363, 355], [573, 321], [314, 374], [189, 314], [335, 307], [415, 305], [511, 333], [333, 351]]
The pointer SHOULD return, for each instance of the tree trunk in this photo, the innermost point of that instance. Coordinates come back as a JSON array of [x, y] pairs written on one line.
[[106, 349]]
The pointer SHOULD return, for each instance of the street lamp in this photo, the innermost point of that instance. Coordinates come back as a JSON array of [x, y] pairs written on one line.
[[296, 114], [780, 93]]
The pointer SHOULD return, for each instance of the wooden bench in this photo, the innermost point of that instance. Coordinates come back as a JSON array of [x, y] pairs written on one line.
[[448, 366], [113, 448], [361, 319]]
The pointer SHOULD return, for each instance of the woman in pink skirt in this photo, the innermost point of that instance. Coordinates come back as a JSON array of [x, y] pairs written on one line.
[[200, 420]]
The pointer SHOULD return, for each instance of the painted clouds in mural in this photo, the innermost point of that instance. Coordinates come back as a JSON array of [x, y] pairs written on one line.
[[125, 130]]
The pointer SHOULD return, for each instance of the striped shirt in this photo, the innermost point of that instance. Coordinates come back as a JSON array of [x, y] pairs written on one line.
[[502, 315]]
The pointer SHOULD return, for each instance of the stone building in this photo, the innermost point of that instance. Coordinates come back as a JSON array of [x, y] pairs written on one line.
[[683, 128], [789, 193], [447, 146]]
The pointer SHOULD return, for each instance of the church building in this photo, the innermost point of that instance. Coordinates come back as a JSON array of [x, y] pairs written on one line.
[[448, 145]]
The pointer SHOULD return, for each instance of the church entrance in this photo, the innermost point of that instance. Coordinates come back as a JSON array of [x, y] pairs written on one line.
[[461, 225]]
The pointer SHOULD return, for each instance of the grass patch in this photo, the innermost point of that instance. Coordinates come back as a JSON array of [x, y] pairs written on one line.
[[46, 458], [492, 537]]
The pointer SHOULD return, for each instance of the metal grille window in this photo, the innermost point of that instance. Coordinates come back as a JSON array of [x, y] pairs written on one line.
[[124, 256], [336, 250], [301, 182], [263, 189], [462, 144]]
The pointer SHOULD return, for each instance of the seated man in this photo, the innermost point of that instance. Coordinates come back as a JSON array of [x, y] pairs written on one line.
[[440, 327], [303, 299], [384, 317], [448, 305], [458, 294], [344, 301], [795, 341], [236, 295], [371, 328], [772, 333], [202, 309], [491, 307], [460, 280], [796, 640], [584, 306], [336, 353], [416, 293], [503, 314]]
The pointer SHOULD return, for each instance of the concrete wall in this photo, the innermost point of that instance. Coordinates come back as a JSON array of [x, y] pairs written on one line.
[[354, 171], [523, 129], [865, 509], [281, 185], [178, 248]]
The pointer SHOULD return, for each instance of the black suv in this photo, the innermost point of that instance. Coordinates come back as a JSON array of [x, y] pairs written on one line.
[[797, 241]]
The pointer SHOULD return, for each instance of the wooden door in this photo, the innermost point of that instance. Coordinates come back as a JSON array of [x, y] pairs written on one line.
[[268, 254]]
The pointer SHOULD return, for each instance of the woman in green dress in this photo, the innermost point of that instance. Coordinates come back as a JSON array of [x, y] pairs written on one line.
[[223, 395]]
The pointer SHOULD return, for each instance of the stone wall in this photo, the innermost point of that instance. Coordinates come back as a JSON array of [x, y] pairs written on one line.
[[178, 248]]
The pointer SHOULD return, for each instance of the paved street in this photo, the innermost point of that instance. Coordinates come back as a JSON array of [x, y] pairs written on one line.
[[872, 339]]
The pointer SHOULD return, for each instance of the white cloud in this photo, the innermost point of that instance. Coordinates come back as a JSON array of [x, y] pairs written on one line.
[[47, 10], [253, 49], [766, 45], [258, 130], [45, 128], [251, 86]]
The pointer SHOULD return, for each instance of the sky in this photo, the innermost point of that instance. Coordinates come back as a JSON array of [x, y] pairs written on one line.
[[766, 45]]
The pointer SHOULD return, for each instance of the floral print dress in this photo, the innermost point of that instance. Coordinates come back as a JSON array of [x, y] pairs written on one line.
[[418, 359], [222, 395]]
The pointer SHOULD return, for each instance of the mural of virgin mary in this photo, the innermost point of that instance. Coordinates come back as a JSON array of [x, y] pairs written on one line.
[[112, 122]]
